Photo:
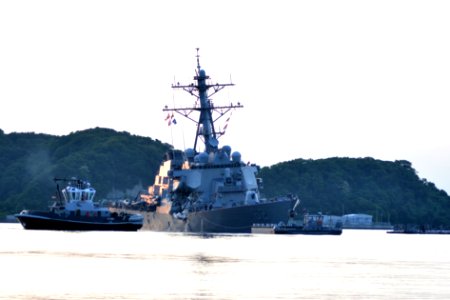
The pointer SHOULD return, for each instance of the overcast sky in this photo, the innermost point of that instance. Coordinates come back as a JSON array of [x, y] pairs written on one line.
[[317, 79]]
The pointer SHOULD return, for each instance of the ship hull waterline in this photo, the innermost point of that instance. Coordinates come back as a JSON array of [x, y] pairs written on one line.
[[308, 231], [239, 219], [35, 222]]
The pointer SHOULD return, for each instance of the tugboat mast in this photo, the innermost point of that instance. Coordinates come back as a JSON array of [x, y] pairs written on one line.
[[205, 122]]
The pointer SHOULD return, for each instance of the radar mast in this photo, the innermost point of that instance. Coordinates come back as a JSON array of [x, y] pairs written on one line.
[[204, 105]]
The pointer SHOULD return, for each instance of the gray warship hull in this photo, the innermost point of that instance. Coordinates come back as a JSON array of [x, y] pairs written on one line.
[[238, 219]]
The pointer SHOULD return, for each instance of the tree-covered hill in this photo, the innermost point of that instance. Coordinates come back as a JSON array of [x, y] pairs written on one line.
[[114, 162], [120, 164], [390, 191]]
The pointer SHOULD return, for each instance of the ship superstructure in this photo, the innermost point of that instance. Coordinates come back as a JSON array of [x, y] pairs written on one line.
[[209, 189]]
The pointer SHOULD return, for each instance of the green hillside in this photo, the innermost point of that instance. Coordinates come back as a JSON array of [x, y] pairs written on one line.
[[116, 163], [119, 164], [390, 191]]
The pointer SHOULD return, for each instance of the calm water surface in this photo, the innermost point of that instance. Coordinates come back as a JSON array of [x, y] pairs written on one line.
[[148, 265]]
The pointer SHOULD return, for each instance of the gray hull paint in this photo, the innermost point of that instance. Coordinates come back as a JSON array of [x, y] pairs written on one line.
[[227, 220]]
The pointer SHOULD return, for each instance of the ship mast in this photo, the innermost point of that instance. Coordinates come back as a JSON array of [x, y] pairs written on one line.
[[205, 122]]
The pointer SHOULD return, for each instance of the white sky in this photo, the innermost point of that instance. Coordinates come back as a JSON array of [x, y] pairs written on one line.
[[317, 78]]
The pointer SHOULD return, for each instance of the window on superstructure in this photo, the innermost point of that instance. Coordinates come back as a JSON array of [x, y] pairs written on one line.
[[156, 189], [65, 196]]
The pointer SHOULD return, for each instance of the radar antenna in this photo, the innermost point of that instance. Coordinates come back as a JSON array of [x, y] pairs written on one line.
[[204, 105]]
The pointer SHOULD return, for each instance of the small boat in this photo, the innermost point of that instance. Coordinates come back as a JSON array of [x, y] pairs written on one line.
[[315, 228], [417, 230], [312, 224], [74, 209]]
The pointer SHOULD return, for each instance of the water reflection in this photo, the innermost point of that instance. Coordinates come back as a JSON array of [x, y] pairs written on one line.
[[149, 265], [206, 235], [207, 260]]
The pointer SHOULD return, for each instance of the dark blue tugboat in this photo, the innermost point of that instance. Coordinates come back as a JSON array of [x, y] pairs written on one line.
[[312, 224], [209, 189], [75, 209]]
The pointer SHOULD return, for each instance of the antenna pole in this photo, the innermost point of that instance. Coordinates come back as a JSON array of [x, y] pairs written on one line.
[[198, 61], [205, 123]]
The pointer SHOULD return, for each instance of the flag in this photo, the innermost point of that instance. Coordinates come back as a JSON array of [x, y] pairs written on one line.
[[226, 123], [172, 120]]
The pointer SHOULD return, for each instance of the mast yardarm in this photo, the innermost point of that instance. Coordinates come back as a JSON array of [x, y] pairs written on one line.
[[205, 122]]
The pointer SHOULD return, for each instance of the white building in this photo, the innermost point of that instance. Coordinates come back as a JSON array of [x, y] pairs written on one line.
[[357, 220]]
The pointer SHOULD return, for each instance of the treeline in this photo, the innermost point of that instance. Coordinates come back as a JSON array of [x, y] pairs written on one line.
[[389, 191], [119, 164]]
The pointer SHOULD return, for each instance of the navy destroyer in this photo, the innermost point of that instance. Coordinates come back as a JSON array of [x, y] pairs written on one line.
[[208, 189]]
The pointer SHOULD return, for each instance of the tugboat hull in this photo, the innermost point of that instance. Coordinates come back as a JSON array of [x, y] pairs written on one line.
[[226, 220], [50, 222]]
